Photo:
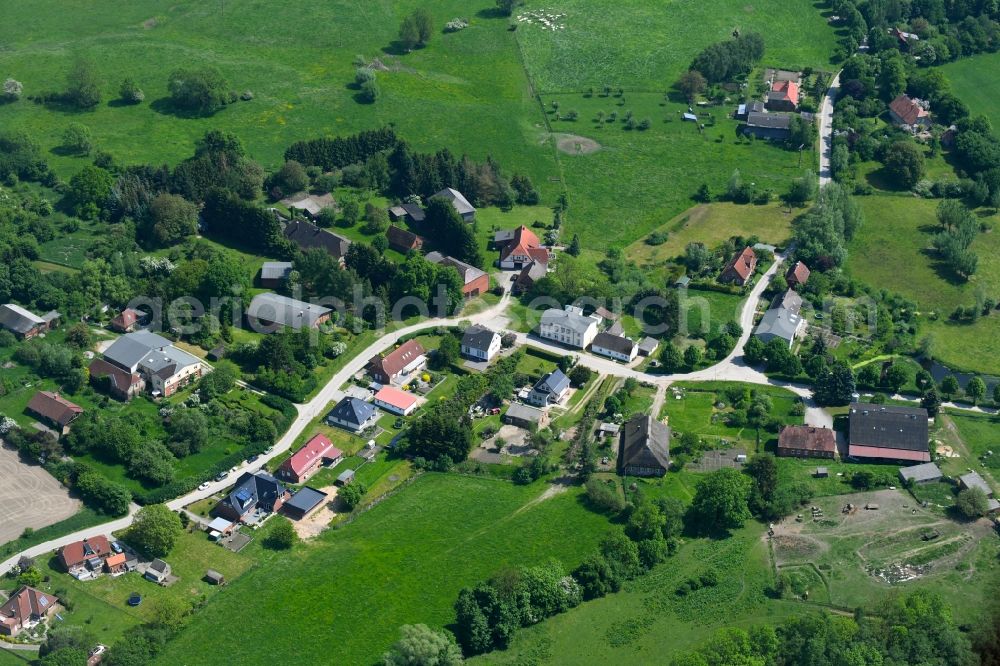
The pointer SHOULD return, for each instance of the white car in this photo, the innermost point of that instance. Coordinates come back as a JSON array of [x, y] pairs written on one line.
[[100, 649], [203, 486]]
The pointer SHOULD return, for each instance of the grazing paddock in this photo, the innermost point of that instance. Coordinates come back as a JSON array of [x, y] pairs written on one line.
[[30, 496], [974, 81]]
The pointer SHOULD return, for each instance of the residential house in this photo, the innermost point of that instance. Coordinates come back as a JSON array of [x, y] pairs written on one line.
[[310, 205], [783, 96], [644, 447], [648, 346], [164, 369], [25, 609], [116, 564], [462, 206], [158, 572], [523, 416], [126, 321], [888, 432], [402, 240], [522, 249], [529, 275], [474, 281], [54, 410], [550, 389], [86, 556], [773, 126], [782, 320], [480, 343], [797, 275], [396, 366], [303, 503], [807, 442], [269, 312], [308, 236], [410, 213], [925, 473], [910, 114], [274, 273], [312, 455], [740, 268], [568, 326], [903, 39], [353, 414], [25, 324], [975, 480], [617, 347], [395, 401], [121, 384], [254, 495]]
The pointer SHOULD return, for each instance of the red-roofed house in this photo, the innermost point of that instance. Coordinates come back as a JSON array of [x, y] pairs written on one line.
[[740, 269], [797, 274], [313, 454], [54, 409], [398, 364], [909, 114], [25, 609], [86, 555], [523, 249], [783, 96], [807, 442], [396, 401], [126, 321], [121, 384]]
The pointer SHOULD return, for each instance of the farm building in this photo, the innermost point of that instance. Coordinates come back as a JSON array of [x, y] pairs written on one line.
[[121, 384], [617, 347], [396, 366], [163, 368], [644, 447], [395, 401], [402, 240], [975, 480], [807, 442], [54, 410], [475, 282], [740, 268], [315, 453], [924, 473], [25, 324], [273, 273], [310, 205], [776, 126], [462, 206], [888, 432], [346, 477], [308, 236], [523, 416], [480, 343], [269, 312], [407, 212], [304, 502], [783, 96]]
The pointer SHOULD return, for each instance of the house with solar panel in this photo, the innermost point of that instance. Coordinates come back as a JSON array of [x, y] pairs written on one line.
[[255, 496], [26, 609]]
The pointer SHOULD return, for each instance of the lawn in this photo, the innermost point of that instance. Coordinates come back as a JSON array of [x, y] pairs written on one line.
[[981, 436], [403, 561], [704, 313], [974, 81], [641, 45]]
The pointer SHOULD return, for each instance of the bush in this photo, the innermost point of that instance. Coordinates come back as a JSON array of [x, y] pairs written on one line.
[[281, 535]]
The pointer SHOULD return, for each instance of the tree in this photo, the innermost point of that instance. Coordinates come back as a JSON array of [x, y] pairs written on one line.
[[416, 29], [972, 503], [188, 430], [904, 162], [506, 7], [671, 357], [351, 494], [692, 356], [574, 246], [896, 376], [292, 176], [932, 402], [281, 535], [975, 389], [170, 219], [83, 89], [89, 190], [12, 90], [949, 386], [425, 25], [129, 92], [448, 351], [836, 386], [201, 90], [419, 645], [579, 375], [720, 501], [77, 139], [753, 351], [691, 84], [802, 189], [154, 530]]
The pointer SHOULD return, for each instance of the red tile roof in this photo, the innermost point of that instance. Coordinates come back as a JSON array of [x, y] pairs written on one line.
[[743, 264], [54, 407], [523, 242], [807, 438], [317, 448], [390, 364], [25, 604], [121, 380], [797, 274], [907, 110], [125, 320], [399, 399], [788, 90], [80, 551]]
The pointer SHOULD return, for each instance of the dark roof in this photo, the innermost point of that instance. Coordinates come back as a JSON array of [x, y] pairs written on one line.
[[306, 499], [648, 344], [275, 270], [121, 380], [307, 235], [401, 239], [17, 319], [277, 309], [553, 383], [645, 442], [769, 120], [253, 488], [524, 413], [807, 438], [888, 427], [478, 337], [54, 407], [128, 350], [615, 343], [353, 410], [467, 272]]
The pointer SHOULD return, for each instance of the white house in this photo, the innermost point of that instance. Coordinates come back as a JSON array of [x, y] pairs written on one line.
[[480, 343], [550, 389], [568, 326], [617, 347]]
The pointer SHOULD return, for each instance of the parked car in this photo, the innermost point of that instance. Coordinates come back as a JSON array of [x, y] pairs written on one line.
[[203, 486], [252, 459], [222, 475], [98, 649], [117, 547]]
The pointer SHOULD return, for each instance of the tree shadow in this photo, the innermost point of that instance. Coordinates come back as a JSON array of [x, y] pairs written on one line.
[[943, 270], [119, 102], [395, 48], [64, 151], [166, 106], [491, 13]]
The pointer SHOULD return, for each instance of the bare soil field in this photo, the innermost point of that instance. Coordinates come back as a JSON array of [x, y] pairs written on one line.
[[30, 497]]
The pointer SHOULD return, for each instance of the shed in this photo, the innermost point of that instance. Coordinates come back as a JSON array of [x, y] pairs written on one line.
[[346, 477], [920, 473], [213, 577], [691, 117], [974, 480], [218, 527], [822, 473], [304, 502], [525, 417]]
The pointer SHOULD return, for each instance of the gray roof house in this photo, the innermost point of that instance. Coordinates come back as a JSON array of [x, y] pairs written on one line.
[[613, 346], [480, 343], [775, 126], [462, 206], [644, 447], [158, 571], [353, 414], [920, 473], [307, 236], [272, 311], [568, 326], [782, 319], [648, 346], [163, 367], [523, 416], [273, 272], [550, 389], [255, 493]]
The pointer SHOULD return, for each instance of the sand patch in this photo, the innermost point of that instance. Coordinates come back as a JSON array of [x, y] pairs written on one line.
[[149, 23], [316, 523], [571, 144]]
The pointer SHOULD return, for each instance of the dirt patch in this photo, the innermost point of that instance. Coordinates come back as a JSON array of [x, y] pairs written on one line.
[[30, 496], [316, 523], [571, 144], [149, 23], [796, 548]]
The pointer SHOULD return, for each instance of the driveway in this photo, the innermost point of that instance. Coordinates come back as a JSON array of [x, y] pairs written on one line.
[[826, 130]]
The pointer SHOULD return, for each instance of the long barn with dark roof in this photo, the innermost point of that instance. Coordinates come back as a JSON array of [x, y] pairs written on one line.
[[888, 432]]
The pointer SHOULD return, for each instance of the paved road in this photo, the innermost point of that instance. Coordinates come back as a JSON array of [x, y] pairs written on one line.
[[826, 130]]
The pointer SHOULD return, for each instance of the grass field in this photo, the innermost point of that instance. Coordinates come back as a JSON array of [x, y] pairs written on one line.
[[402, 562], [973, 80], [640, 45]]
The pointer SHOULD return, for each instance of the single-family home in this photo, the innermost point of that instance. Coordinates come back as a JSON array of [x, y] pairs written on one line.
[[121, 384], [307, 236], [402, 240], [807, 442], [480, 343], [613, 346], [644, 447], [773, 126], [87, 555], [304, 502], [925, 473], [783, 96], [568, 326], [312, 455], [474, 281], [396, 366], [25, 324], [353, 414], [740, 268], [164, 369], [462, 206], [529, 275], [550, 389], [25, 609], [797, 275], [126, 321], [407, 212], [648, 346], [157, 572], [523, 416], [782, 320], [903, 39], [268, 312], [394, 401], [522, 249], [888, 432], [975, 480], [311, 205], [254, 495], [910, 114], [274, 273], [116, 564], [54, 410]]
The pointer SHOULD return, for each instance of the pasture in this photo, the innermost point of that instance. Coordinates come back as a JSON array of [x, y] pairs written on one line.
[[974, 80], [403, 561]]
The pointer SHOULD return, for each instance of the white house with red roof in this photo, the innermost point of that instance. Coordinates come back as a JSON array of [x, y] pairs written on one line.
[[315, 453], [523, 249], [395, 401], [910, 114], [25, 609], [783, 96], [741, 268]]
